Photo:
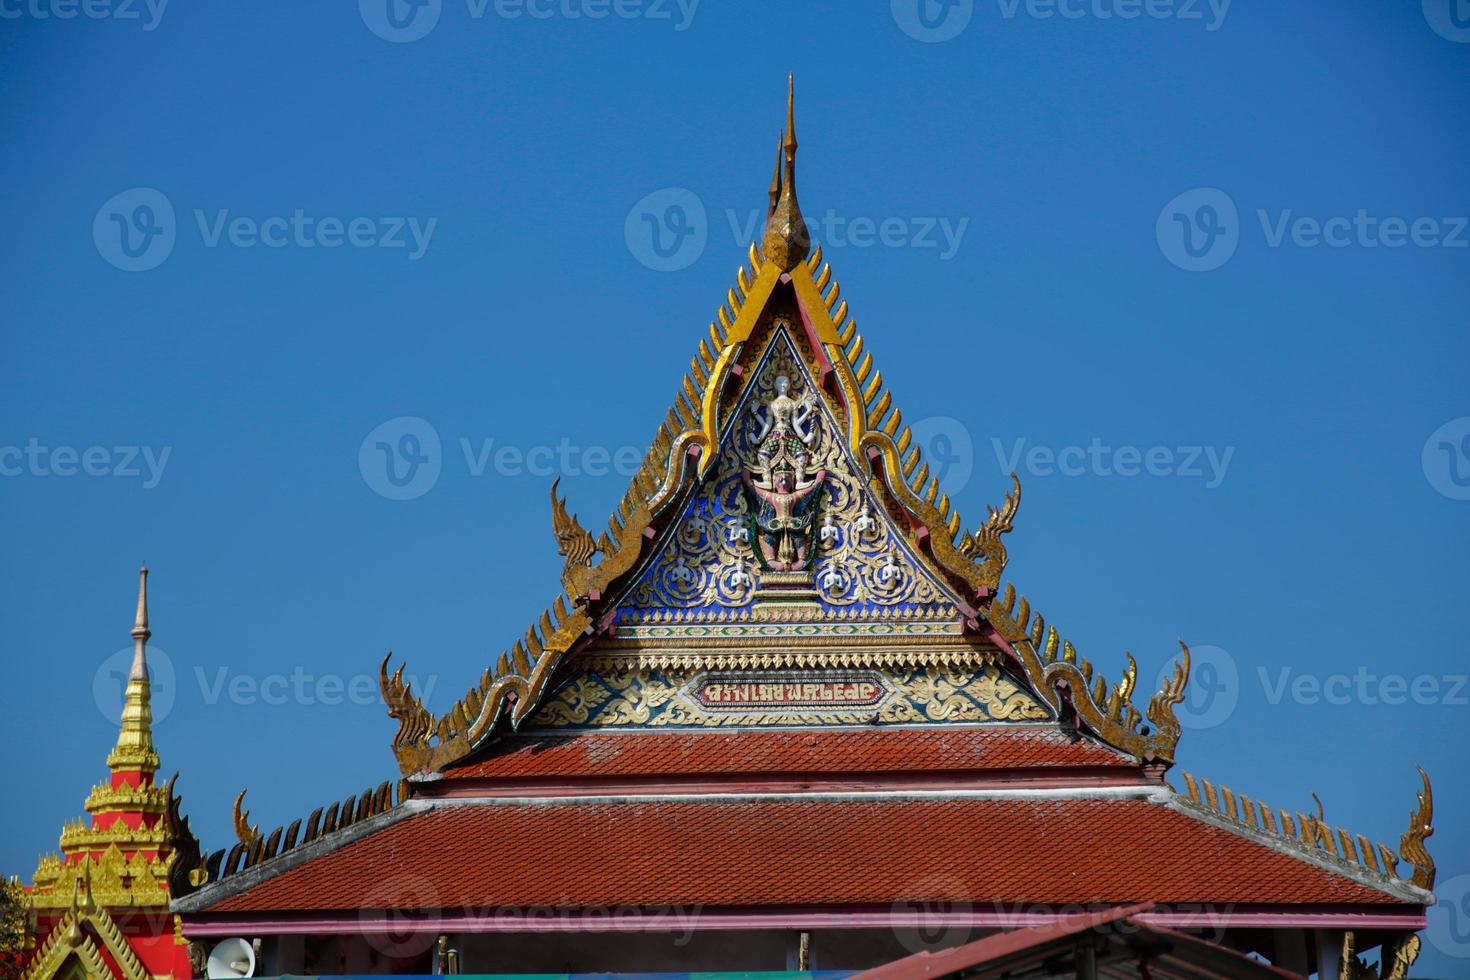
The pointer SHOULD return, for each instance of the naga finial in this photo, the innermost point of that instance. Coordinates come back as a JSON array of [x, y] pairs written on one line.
[[786, 241], [574, 542], [247, 834], [1421, 826]]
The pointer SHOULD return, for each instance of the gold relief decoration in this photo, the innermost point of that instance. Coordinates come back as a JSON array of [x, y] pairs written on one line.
[[939, 694], [709, 567], [1397, 955], [115, 879], [619, 695], [767, 657]]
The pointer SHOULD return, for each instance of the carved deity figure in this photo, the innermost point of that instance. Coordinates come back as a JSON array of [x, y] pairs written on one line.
[[785, 431], [783, 518]]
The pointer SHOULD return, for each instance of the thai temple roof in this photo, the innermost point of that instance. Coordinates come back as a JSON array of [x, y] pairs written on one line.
[[817, 690]]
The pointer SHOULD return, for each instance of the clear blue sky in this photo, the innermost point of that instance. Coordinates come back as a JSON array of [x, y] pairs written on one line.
[[1326, 539]]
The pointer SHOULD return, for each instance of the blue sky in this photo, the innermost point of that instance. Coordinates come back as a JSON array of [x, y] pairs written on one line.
[[1201, 272]]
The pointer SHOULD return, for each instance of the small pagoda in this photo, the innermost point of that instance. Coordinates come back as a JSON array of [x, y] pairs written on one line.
[[100, 906], [786, 713]]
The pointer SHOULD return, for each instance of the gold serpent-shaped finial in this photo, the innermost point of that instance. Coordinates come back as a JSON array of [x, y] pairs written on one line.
[[573, 542], [247, 834]]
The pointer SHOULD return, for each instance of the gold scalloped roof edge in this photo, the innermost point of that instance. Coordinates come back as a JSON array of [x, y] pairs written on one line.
[[1052, 664], [1375, 863]]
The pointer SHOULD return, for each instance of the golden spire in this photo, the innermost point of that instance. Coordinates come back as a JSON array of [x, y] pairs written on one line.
[[134, 749], [786, 240], [776, 174]]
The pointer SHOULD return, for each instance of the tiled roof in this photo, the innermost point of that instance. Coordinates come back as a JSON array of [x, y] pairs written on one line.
[[670, 753], [799, 852]]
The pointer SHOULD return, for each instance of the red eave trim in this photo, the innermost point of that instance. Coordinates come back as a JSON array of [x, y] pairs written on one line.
[[695, 918]]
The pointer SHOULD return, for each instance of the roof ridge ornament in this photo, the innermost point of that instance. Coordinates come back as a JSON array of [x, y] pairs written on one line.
[[133, 751], [786, 241]]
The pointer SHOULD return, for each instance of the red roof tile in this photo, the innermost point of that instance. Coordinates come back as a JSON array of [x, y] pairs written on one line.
[[669, 753], [758, 853]]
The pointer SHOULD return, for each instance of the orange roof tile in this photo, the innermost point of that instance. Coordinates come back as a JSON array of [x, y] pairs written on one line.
[[760, 852]]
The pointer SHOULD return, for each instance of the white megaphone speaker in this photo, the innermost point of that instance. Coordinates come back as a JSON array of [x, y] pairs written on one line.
[[231, 958]]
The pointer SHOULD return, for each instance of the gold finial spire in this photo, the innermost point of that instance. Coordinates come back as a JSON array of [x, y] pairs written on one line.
[[786, 240], [775, 191], [134, 749], [141, 632]]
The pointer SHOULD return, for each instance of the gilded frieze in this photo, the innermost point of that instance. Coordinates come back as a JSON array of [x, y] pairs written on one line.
[[611, 695]]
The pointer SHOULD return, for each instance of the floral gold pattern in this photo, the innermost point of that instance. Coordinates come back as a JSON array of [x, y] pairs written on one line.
[[614, 696]]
